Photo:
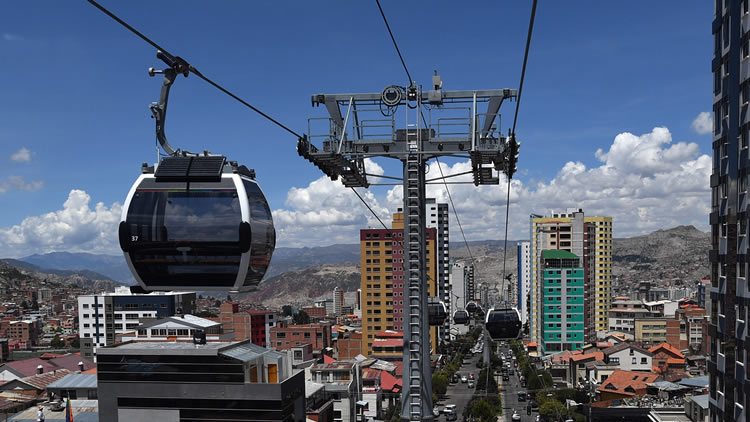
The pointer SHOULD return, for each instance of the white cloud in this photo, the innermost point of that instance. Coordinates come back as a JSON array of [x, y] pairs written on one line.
[[703, 124], [75, 228], [645, 182], [19, 183], [23, 155]]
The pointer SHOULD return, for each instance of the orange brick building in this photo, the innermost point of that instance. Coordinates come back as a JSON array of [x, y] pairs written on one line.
[[284, 336], [382, 280]]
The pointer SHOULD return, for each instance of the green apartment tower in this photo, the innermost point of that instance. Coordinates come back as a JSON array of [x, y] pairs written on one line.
[[562, 293]]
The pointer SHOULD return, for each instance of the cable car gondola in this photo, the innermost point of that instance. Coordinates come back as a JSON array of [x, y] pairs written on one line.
[[461, 317], [438, 313], [197, 223], [471, 307], [503, 323]]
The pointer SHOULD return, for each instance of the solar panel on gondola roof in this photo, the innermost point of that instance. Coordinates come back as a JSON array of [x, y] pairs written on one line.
[[190, 169]]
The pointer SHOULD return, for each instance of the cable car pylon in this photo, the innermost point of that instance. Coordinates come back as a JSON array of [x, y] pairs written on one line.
[[355, 130]]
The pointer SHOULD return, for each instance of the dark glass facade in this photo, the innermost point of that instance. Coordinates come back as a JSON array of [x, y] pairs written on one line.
[[728, 342]]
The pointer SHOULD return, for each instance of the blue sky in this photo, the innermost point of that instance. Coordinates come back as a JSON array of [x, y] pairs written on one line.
[[75, 126]]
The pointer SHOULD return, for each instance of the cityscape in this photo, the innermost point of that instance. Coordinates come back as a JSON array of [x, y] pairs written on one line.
[[434, 268]]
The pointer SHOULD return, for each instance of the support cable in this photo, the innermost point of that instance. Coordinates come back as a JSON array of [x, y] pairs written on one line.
[[190, 68], [368, 207], [394, 42], [455, 212], [515, 119]]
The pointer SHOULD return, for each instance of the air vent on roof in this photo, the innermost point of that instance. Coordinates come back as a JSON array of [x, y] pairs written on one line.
[[190, 169]]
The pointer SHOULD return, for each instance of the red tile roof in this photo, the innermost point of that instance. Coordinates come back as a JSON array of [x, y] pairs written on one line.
[[593, 356], [27, 367], [328, 359], [666, 347], [71, 361], [41, 381], [389, 383], [627, 383]]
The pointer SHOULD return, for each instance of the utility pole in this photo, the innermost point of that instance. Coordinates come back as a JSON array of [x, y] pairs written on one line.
[[435, 123]]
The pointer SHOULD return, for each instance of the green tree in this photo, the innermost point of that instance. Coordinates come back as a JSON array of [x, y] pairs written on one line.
[[229, 298], [24, 304], [552, 409], [286, 310], [483, 410], [57, 343], [217, 303], [301, 317], [439, 383], [539, 379], [76, 342]]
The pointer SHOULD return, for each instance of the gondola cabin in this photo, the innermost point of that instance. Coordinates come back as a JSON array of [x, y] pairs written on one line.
[[471, 307], [197, 223], [437, 313], [503, 323], [461, 317]]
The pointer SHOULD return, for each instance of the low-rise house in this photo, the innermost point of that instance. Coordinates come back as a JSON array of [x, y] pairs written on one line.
[[629, 357], [625, 384], [74, 386], [343, 381]]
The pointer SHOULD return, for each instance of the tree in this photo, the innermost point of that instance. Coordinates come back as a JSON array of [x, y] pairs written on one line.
[[57, 343], [552, 409], [229, 298], [483, 410], [286, 310], [217, 303], [24, 304], [439, 383], [76, 342], [301, 317]]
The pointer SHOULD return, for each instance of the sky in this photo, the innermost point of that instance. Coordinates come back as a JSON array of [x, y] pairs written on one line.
[[614, 117]]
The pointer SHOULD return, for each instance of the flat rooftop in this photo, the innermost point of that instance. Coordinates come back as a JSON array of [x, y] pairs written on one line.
[[211, 348]]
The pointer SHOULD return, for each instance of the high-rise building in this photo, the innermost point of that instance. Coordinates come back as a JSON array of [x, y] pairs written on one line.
[[338, 300], [102, 316], [561, 281], [382, 280], [524, 279], [729, 347], [437, 218], [590, 238]]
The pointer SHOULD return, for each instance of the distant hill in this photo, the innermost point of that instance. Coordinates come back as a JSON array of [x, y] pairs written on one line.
[[93, 275], [113, 267], [303, 286], [293, 259], [299, 275], [12, 277]]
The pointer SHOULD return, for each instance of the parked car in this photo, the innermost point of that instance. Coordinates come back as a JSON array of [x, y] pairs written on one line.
[[515, 417], [511, 372], [534, 405], [506, 377], [471, 376], [464, 379], [471, 383], [521, 396]]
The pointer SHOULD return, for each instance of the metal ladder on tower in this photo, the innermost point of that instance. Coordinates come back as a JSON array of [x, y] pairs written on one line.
[[419, 392]]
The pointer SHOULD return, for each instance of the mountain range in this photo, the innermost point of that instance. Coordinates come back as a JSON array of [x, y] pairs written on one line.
[[300, 275]]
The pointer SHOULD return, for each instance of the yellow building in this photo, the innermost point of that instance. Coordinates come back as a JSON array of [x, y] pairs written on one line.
[[565, 239], [382, 281]]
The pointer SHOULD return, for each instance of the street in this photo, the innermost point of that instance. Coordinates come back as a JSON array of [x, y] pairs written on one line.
[[459, 393], [509, 390]]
